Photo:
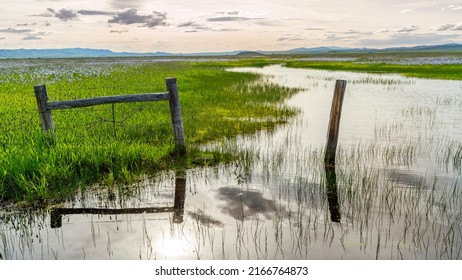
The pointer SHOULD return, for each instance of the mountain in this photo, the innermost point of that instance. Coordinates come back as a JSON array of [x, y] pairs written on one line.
[[423, 48], [70, 53], [426, 48], [86, 52], [318, 50]]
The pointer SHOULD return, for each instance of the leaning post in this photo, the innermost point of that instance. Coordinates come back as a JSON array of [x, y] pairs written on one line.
[[46, 118], [175, 113], [334, 123]]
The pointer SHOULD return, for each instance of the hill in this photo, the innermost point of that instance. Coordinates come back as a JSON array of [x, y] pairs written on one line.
[[250, 54]]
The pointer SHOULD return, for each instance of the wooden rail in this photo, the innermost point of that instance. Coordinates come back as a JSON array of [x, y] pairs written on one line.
[[70, 104], [45, 108]]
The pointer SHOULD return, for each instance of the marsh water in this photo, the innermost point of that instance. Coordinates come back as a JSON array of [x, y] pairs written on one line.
[[394, 193]]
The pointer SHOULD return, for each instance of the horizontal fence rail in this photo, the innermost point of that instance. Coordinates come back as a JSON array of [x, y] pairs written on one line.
[[45, 108], [143, 97]]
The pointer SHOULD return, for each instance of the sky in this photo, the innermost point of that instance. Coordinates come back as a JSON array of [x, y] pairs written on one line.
[[207, 26]]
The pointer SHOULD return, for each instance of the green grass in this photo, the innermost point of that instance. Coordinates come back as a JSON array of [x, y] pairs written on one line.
[[98, 142], [447, 71]]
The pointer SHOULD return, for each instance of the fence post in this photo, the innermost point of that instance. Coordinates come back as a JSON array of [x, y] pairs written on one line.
[[334, 122], [175, 112], [41, 96]]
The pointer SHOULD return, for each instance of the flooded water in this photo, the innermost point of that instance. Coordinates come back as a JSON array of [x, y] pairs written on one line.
[[395, 192]]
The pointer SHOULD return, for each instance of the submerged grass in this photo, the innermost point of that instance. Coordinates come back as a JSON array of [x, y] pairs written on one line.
[[121, 141]]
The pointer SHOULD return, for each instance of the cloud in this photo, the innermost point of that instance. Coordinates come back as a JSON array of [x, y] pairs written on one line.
[[314, 28], [444, 27], [31, 37], [455, 7], [191, 24], [231, 18], [448, 27], [195, 27], [14, 30], [26, 24], [410, 39], [346, 36], [95, 13], [123, 4], [407, 29], [225, 30], [336, 37], [291, 38], [64, 14], [187, 24], [355, 32], [131, 16], [407, 11], [228, 13], [118, 31]]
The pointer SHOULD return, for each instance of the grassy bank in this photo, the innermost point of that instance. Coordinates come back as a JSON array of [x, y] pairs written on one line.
[[115, 143], [429, 71]]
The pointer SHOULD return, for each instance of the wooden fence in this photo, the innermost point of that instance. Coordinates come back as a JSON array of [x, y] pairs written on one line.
[[45, 108]]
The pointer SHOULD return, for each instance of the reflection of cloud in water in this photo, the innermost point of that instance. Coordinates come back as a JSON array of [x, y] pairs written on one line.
[[242, 204], [204, 219], [405, 177]]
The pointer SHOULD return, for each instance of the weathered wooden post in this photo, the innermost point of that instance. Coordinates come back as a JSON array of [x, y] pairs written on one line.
[[175, 112], [334, 122], [46, 118]]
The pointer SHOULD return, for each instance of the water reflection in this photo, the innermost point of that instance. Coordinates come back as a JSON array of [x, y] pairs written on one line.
[[246, 204], [331, 190], [177, 209]]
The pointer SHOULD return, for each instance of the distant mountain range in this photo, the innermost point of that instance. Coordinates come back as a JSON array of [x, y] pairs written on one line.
[[85, 52]]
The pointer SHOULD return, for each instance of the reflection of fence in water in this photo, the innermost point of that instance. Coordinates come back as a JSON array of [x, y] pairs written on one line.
[[177, 209]]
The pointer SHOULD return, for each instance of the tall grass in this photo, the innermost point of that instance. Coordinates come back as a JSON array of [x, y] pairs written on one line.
[[126, 139]]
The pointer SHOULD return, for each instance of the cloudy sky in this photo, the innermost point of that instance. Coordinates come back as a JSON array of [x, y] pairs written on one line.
[[183, 26]]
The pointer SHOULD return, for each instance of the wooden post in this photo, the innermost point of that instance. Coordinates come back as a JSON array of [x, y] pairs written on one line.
[[334, 122], [175, 112], [48, 125]]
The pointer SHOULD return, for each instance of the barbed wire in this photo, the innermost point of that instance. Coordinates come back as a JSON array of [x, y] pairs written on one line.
[[26, 121]]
